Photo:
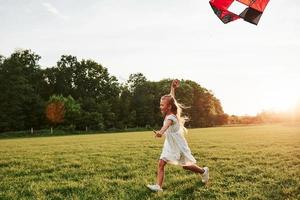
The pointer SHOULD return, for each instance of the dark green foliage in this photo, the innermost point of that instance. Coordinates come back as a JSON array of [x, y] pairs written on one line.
[[21, 106], [93, 98]]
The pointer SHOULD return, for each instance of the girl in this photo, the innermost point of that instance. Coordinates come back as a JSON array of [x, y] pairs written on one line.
[[175, 149]]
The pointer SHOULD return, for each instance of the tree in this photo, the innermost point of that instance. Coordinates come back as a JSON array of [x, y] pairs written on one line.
[[144, 104], [55, 112], [63, 110], [91, 117], [72, 112], [124, 116], [2, 58], [136, 80], [86, 79], [88, 97], [21, 107]]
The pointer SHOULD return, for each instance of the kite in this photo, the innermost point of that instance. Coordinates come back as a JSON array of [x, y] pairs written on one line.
[[252, 13]]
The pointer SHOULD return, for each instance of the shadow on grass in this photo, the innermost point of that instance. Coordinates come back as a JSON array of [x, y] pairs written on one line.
[[142, 192], [188, 192]]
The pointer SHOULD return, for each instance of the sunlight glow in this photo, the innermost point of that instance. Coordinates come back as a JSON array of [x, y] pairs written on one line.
[[280, 95]]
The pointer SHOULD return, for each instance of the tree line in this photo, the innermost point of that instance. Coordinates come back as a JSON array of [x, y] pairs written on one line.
[[81, 95], [267, 117]]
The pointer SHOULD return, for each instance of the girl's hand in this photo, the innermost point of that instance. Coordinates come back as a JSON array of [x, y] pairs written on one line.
[[158, 134], [155, 132], [175, 83]]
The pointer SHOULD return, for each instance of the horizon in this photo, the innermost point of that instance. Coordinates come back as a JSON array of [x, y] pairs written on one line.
[[248, 68]]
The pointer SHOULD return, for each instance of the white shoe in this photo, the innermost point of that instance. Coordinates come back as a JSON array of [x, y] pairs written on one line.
[[155, 188], [205, 175]]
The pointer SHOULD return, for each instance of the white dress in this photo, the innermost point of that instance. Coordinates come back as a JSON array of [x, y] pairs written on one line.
[[176, 150]]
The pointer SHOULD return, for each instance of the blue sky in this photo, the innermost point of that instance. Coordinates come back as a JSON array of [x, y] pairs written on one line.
[[249, 68]]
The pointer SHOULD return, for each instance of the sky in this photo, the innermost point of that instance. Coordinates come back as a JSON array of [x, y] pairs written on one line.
[[249, 68]]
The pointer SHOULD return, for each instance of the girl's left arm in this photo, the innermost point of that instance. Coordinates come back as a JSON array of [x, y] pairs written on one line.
[[174, 85], [164, 128]]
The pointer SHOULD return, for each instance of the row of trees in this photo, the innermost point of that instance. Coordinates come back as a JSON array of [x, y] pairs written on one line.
[[267, 117], [90, 98]]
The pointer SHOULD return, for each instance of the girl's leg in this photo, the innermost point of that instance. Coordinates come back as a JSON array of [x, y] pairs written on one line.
[[194, 168], [161, 172]]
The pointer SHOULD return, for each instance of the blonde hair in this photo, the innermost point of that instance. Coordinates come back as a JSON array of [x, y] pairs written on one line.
[[176, 108]]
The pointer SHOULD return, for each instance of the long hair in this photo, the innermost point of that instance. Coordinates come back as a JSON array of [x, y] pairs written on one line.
[[176, 108]]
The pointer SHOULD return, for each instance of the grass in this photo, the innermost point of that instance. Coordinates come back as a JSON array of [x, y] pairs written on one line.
[[62, 132], [255, 162]]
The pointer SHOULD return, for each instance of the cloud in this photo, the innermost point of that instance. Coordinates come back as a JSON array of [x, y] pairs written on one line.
[[54, 11]]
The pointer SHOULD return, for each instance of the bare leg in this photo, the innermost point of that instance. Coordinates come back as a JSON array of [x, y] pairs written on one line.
[[161, 172], [194, 168]]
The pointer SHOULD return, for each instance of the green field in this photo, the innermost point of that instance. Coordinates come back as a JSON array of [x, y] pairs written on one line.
[[251, 162]]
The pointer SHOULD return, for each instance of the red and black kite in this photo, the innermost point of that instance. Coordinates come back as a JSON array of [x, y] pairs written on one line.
[[251, 14]]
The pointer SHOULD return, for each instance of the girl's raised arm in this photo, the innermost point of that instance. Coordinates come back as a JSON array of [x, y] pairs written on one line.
[[174, 85]]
